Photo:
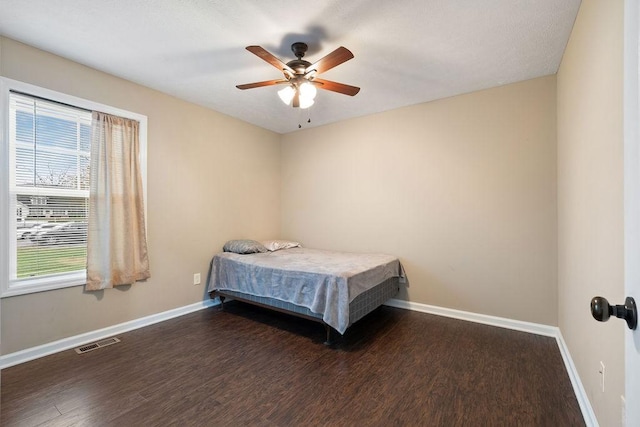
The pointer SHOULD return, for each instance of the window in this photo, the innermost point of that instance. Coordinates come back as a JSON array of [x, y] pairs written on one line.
[[45, 146], [49, 156]]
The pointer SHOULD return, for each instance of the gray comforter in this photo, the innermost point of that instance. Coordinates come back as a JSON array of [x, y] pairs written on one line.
[[323, 281]]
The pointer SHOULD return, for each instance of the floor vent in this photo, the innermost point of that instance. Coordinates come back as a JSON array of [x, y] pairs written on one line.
[[96, 345]]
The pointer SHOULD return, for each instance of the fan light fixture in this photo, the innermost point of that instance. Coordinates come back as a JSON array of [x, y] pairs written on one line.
[[306, 91]]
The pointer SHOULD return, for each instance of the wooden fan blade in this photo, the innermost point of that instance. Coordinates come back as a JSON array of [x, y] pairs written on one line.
[[337, 87], [266, 56], [261, 84], [335, 58]]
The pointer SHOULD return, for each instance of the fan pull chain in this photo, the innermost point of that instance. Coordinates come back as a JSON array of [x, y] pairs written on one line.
[[308, 119]]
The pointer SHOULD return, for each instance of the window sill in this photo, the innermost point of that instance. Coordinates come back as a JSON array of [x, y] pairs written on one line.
[[41, 284]]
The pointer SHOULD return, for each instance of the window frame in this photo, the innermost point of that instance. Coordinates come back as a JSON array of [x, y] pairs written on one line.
[[8, 243]]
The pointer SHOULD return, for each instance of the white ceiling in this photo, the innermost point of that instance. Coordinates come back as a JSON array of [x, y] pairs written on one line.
[[406, 51]]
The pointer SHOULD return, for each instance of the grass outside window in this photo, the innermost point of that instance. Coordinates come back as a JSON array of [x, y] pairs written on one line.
[[50, 260]]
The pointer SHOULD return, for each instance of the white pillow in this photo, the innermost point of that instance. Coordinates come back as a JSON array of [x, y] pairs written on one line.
[[274, 245]]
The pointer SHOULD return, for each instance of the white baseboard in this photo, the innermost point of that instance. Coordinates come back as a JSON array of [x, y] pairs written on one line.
[[32, 353], [518, 325], [585, 406], [534, 328]]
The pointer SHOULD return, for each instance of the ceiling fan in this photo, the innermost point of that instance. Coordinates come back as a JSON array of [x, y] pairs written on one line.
[[300, 76]]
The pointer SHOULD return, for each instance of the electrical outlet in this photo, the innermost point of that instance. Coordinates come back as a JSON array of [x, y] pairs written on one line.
[[601, 372], [196, 279]]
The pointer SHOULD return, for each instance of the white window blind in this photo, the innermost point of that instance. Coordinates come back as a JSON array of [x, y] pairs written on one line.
[[49, 148]]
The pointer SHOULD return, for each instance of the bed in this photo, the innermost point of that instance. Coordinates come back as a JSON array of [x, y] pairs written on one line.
[[333, 288]]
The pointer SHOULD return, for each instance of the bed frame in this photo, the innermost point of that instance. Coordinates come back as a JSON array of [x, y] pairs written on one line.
[[361, 305]]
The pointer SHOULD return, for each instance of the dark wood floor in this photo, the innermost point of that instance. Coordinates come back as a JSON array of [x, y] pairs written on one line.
[[250, 366]]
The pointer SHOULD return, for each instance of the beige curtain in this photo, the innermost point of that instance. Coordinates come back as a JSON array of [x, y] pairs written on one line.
[[117, 244]]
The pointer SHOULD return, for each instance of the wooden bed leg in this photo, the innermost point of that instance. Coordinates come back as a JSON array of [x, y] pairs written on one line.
[[328, 341], [221, 302]]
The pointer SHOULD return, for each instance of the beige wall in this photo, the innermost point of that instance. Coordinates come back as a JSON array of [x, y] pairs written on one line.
[[463, 190], [210, 178], [590, 199]]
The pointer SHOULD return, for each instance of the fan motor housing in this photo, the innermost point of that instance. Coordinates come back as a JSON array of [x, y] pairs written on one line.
[[298, 65]]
